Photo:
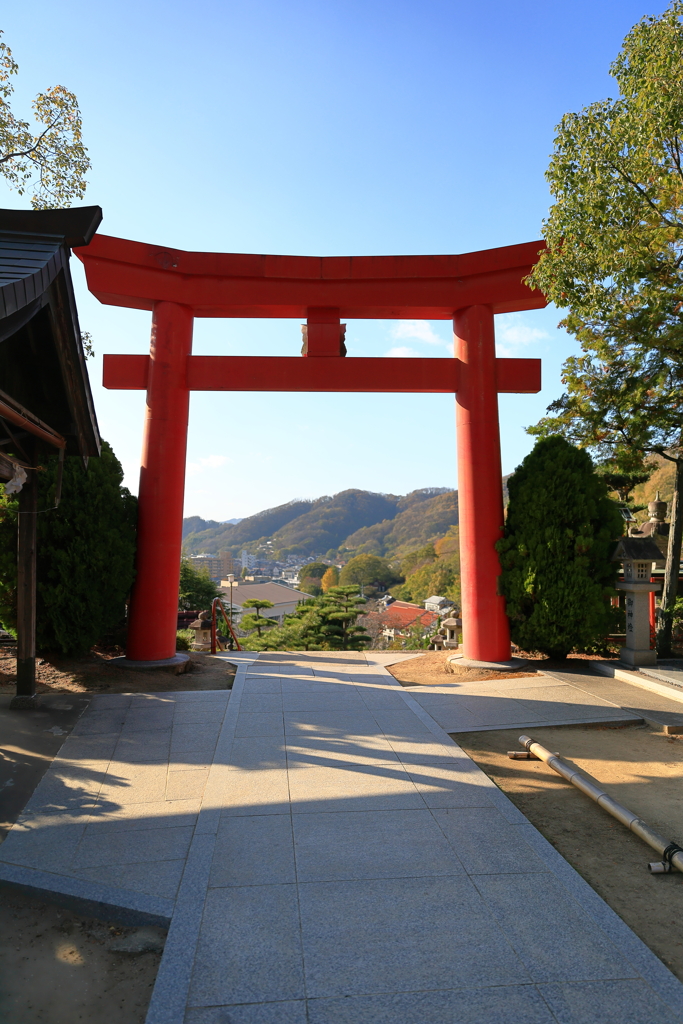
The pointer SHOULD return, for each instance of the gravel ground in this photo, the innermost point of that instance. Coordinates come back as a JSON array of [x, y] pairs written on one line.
[[59, 968], [95, 673]]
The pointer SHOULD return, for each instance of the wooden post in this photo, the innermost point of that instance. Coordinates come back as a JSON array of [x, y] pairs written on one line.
[[26, 594]]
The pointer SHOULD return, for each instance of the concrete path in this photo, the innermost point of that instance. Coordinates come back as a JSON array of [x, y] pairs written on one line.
[[518, 702], [326, 854]]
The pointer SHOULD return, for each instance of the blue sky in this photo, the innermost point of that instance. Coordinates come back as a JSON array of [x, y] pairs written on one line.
[[319, 128]]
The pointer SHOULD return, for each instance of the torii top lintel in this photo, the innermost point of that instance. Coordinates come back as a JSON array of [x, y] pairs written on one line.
[[137, 275]]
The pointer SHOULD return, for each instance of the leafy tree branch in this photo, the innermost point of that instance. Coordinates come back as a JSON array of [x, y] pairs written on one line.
[[50, 165]]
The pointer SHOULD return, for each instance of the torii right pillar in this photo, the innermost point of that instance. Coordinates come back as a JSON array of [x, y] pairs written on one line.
[[480, 488]]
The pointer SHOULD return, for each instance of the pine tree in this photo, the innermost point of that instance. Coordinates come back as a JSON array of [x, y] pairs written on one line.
[[555, 555], [256, 621], [339, 609]]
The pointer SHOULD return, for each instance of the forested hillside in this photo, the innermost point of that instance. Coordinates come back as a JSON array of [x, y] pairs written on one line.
[[331, 520], [342, 525], [423, 519], [214, 537]]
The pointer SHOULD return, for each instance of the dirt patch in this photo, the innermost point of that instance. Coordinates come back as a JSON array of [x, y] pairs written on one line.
[[95, 673], [640, 768], [59, 968], [433, 669]]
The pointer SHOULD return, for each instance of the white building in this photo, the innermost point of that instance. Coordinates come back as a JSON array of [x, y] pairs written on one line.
[[438, 604], [248, 561]]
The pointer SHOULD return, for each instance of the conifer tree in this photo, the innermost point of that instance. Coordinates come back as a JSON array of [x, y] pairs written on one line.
[[339, 609], [86, 553], [256, 621], [555, 554]]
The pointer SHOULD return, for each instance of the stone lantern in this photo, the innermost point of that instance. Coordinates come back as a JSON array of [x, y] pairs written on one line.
[[202, 632], [637, 555], [451, 627]]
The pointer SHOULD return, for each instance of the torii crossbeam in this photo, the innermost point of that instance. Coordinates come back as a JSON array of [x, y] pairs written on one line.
[[178, 286]]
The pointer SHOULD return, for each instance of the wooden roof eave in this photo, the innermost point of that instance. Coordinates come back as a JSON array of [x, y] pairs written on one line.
[[34, 274]]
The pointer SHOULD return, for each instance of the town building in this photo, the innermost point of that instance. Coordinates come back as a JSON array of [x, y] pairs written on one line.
[[282, 597], [248, 560], [397, 621], [437, 604], [216, 566]]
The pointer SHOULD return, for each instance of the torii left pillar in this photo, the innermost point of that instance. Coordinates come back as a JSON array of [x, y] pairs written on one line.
[[154, 602]]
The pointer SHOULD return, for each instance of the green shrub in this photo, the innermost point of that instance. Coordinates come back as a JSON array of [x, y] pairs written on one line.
[[561, 526], [184, 639]]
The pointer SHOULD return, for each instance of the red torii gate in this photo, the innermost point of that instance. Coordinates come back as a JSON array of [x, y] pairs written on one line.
[[178, 286]]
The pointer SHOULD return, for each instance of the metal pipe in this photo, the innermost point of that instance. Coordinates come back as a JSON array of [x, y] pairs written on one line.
[[671, 853]]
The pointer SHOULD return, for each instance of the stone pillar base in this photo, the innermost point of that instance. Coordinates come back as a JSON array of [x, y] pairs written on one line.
[[634, 658], [25, 702]]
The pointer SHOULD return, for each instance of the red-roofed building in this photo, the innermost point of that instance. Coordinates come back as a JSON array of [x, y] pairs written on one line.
[[399, 618]]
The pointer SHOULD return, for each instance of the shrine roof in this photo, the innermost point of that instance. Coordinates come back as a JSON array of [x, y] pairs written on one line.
[[637, 549], [42, 364]]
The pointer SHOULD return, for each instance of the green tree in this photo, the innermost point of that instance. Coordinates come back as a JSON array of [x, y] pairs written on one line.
[[86, 554], [368, 570], [418, 638], [624, 481], [51, 164], [299, 632], [339, 610], [256, 621], [304, 626], [614, 260], [432, 569], [330, 579], [197, 590], [416, 559], [555, 554], [323, 623]]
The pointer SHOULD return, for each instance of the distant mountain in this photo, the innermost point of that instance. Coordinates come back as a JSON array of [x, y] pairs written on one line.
[[427, 515], [351, 522], [224, 536], [331, 520], [195, 524]]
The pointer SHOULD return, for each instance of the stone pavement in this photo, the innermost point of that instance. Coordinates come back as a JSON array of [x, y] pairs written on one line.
[[325, 854], [520, 702]]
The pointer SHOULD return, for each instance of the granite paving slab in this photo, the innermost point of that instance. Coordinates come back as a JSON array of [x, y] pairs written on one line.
[[518, 702], [324, 852]]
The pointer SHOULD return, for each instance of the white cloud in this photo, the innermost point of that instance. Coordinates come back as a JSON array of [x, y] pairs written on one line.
[[418, 330], [402, 352], [512, 334], [209, 462]]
